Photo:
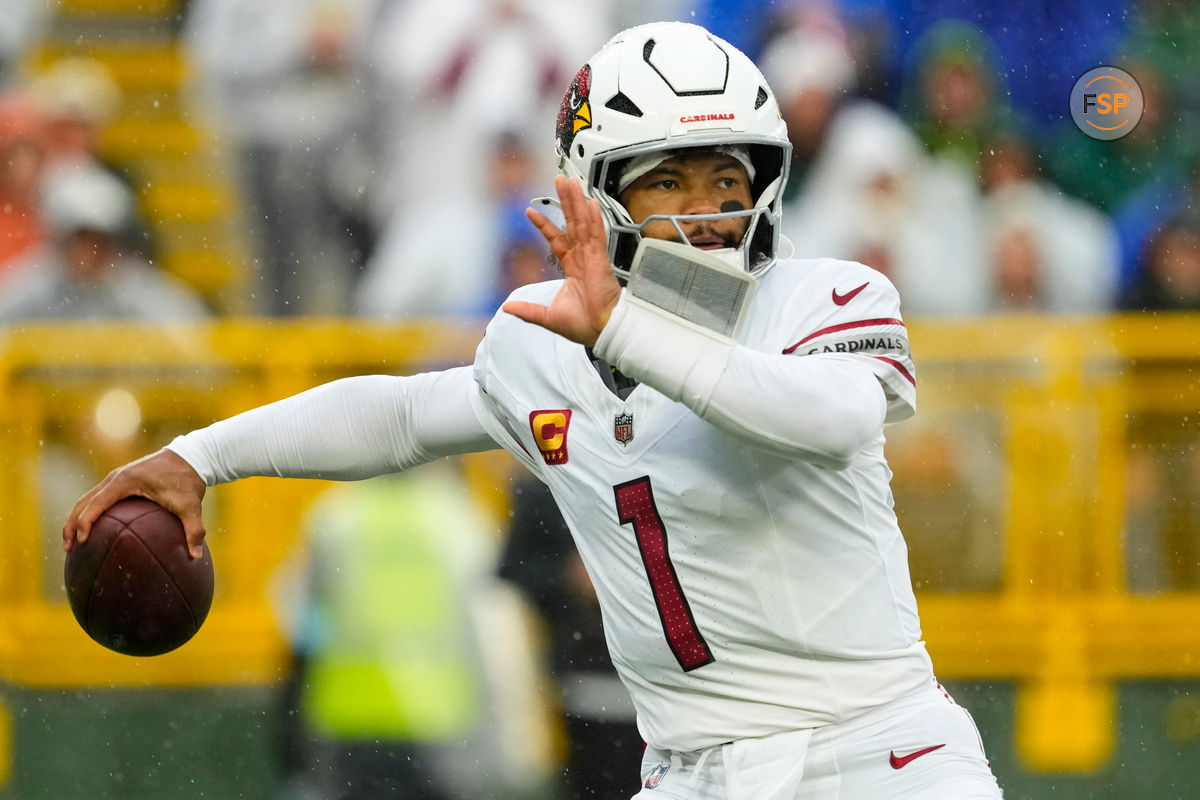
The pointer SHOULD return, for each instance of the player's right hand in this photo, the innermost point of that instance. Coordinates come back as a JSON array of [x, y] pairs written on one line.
[[163, 477], [589, 292]]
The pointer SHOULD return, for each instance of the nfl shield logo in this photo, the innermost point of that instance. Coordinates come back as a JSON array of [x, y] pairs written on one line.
[[623, 428], [656, 775]]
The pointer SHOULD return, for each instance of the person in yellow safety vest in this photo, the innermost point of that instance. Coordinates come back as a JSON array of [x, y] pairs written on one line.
[[391, 677]]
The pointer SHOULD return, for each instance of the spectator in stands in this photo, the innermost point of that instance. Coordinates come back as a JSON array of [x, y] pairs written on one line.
[[434, 260], [955, 94], [1171, 279], [600, 723], [24, 22], [86, 270], [279, 80], [455, 75], [524, 259], [1046, 251], [1144, 215], [813, 77], [22, 158], [77, 98], [867, 190]]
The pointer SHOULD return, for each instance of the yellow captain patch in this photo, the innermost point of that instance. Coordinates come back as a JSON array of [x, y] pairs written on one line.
[[549, 430]]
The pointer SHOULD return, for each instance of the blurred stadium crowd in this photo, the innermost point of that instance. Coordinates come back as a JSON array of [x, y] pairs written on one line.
[[384, 152]]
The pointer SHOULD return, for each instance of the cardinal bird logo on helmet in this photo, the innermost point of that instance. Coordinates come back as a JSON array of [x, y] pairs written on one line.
[[575, 113]]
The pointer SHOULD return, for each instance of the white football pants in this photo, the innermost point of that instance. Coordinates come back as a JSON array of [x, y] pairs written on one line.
[[920, 747]]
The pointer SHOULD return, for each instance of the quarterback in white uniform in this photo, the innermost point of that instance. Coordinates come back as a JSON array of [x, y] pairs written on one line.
[[709, 417]]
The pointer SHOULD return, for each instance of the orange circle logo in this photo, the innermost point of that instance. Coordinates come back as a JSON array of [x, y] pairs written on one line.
[[1106, 103]]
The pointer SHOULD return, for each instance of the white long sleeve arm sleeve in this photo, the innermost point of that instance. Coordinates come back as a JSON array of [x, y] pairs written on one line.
[[348, 429], [818, 408]]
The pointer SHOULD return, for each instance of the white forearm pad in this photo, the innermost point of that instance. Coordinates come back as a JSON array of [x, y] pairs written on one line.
[[348, 429], [683, 361], [817, 408]]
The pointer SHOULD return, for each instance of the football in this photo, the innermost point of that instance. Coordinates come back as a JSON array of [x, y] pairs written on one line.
[[132, 585]]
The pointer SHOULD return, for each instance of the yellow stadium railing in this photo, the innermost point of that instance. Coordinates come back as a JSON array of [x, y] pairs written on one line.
[[57, 390], [1040, 449], [1070, 402]]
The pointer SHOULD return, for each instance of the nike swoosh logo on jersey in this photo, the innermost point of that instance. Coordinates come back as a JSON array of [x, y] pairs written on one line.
[[842, 299], [899, 762]]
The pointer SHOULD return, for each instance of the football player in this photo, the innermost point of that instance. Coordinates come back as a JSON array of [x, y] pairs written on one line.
[[709, 417]]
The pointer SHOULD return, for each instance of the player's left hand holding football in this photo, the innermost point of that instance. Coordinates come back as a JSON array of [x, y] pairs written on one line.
[[163, 477], [582, 306]]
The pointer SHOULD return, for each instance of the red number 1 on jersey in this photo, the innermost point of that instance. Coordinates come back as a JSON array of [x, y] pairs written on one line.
[[635, 504]]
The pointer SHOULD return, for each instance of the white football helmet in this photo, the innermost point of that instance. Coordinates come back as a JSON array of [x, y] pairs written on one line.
[[664, 86]]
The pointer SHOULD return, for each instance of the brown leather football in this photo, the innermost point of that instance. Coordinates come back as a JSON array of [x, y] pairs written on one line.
[[132, 585]]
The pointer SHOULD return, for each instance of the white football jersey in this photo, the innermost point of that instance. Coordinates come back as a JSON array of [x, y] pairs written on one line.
[[743, 593]]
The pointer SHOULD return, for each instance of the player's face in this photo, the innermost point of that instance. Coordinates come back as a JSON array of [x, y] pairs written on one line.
[[693, 183]]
